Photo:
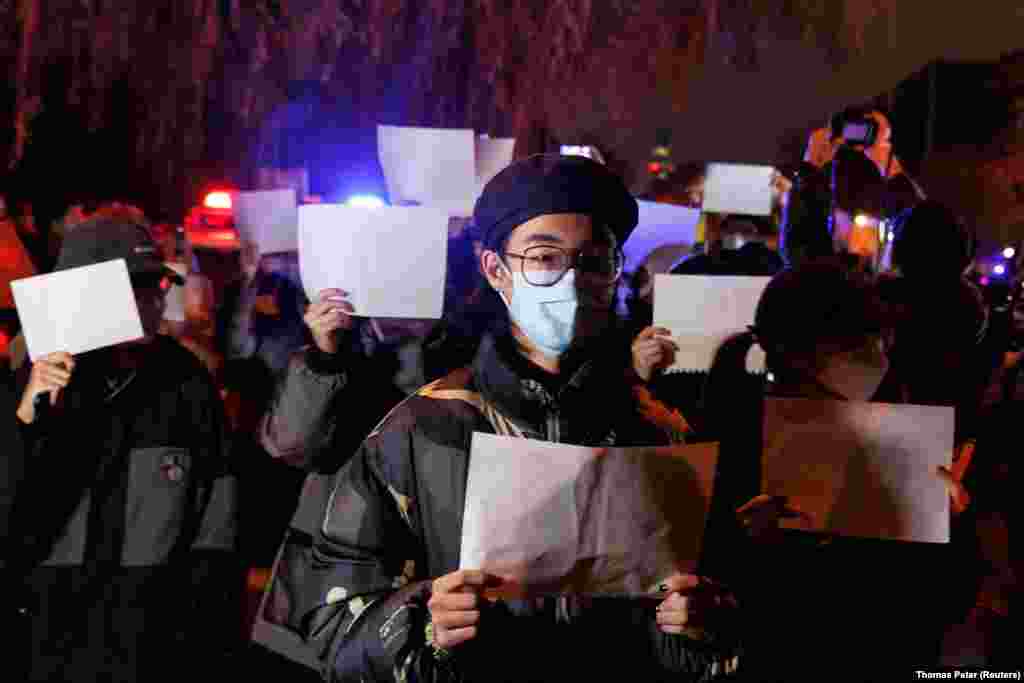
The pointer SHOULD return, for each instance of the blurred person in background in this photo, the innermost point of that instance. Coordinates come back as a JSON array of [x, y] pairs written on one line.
[[948, 348], [823, 329], [122, 556]]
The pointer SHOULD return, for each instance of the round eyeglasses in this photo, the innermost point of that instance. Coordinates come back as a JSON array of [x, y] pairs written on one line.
[[544, 265]]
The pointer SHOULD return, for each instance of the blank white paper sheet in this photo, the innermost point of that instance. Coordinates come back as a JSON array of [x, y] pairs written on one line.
[[269, 219], [738, 189], [77, 310], [702, 311], [390, 260]]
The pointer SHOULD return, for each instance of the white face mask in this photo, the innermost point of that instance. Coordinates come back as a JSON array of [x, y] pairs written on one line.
[[546, 315], [856, 375]]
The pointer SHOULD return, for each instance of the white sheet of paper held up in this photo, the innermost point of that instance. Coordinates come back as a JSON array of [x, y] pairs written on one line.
[[492, 156], [738, 189], [390, 260], [552, 518], [860, 469], [77, 310], [659, 224], [175, 310], [702, 311], [268, 218], [426, 164]]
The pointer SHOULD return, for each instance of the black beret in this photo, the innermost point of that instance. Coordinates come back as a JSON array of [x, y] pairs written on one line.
[[549, 184]]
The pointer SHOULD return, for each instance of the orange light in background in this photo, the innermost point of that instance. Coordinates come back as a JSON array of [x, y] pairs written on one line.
[[217, 200]]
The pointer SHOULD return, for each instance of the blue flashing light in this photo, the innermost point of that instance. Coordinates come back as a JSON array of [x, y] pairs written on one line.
[[999, 269]]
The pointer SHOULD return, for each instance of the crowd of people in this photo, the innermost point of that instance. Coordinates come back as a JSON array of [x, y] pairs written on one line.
[[144, 486]]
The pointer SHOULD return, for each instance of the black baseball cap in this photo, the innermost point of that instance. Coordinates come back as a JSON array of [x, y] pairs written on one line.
[[545, 184], [107, 239]]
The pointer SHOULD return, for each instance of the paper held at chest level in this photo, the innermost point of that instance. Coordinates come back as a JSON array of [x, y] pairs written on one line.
[[553, 518], [702, 311], [860, 469], [390, 260], [77, 310]]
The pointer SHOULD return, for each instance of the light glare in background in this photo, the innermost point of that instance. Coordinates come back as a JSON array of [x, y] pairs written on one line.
[[365, 201]]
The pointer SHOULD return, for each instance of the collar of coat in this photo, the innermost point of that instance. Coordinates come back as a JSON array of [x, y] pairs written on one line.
[[525, 400]]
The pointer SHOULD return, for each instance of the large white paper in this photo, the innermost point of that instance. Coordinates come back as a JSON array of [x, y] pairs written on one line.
[[659, 224], [390, 260], [860, 469], [702, 311], [175, 309], [738, 189], [77, 310], [427, 164], [553, 518], [268, 218]]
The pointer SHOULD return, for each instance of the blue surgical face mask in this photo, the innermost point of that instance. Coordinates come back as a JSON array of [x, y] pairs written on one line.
[[546, 315]]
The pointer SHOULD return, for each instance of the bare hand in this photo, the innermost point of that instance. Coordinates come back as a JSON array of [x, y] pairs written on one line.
[[694, 604], [652, 351], [51, 373], [329, 314], [761, 515], [455, 605], [953, 478]]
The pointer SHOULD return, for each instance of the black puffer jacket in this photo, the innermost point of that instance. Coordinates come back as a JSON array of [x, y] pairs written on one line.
[[393, 523]]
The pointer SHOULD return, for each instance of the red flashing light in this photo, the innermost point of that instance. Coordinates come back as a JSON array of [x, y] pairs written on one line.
[[654, 167], [217, 200]]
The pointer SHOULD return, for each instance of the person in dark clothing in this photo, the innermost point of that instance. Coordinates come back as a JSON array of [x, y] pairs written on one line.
[[261, 314], [822, 328], [383, 599], [121, 535], [947, 349], [740, 249]]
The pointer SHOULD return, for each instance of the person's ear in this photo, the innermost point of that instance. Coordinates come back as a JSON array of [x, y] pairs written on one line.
[[494, 269]]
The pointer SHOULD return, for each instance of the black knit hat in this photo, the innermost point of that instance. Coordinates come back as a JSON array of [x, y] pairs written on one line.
[[550, 184]]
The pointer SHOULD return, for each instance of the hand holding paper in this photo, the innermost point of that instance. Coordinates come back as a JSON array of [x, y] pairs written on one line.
[[50, 374], [330, 313], [702, 312]]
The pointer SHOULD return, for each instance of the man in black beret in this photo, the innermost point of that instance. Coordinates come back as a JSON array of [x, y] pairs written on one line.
[[384, 598]]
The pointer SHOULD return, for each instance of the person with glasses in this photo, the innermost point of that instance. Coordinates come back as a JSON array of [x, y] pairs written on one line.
[[383, 598]]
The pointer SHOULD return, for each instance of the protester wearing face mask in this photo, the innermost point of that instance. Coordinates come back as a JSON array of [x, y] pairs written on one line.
[[823, 330], [386, 600]]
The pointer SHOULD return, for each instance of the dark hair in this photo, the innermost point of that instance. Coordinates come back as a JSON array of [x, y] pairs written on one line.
[[804, 229], [801, 308], [932, 242]]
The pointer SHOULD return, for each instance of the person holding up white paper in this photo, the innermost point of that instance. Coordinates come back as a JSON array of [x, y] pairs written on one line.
[[388, 600], [126, 508], [822, 329]]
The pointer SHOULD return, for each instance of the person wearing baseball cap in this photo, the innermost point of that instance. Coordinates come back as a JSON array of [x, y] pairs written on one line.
[[386, 597], [122, 527]]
